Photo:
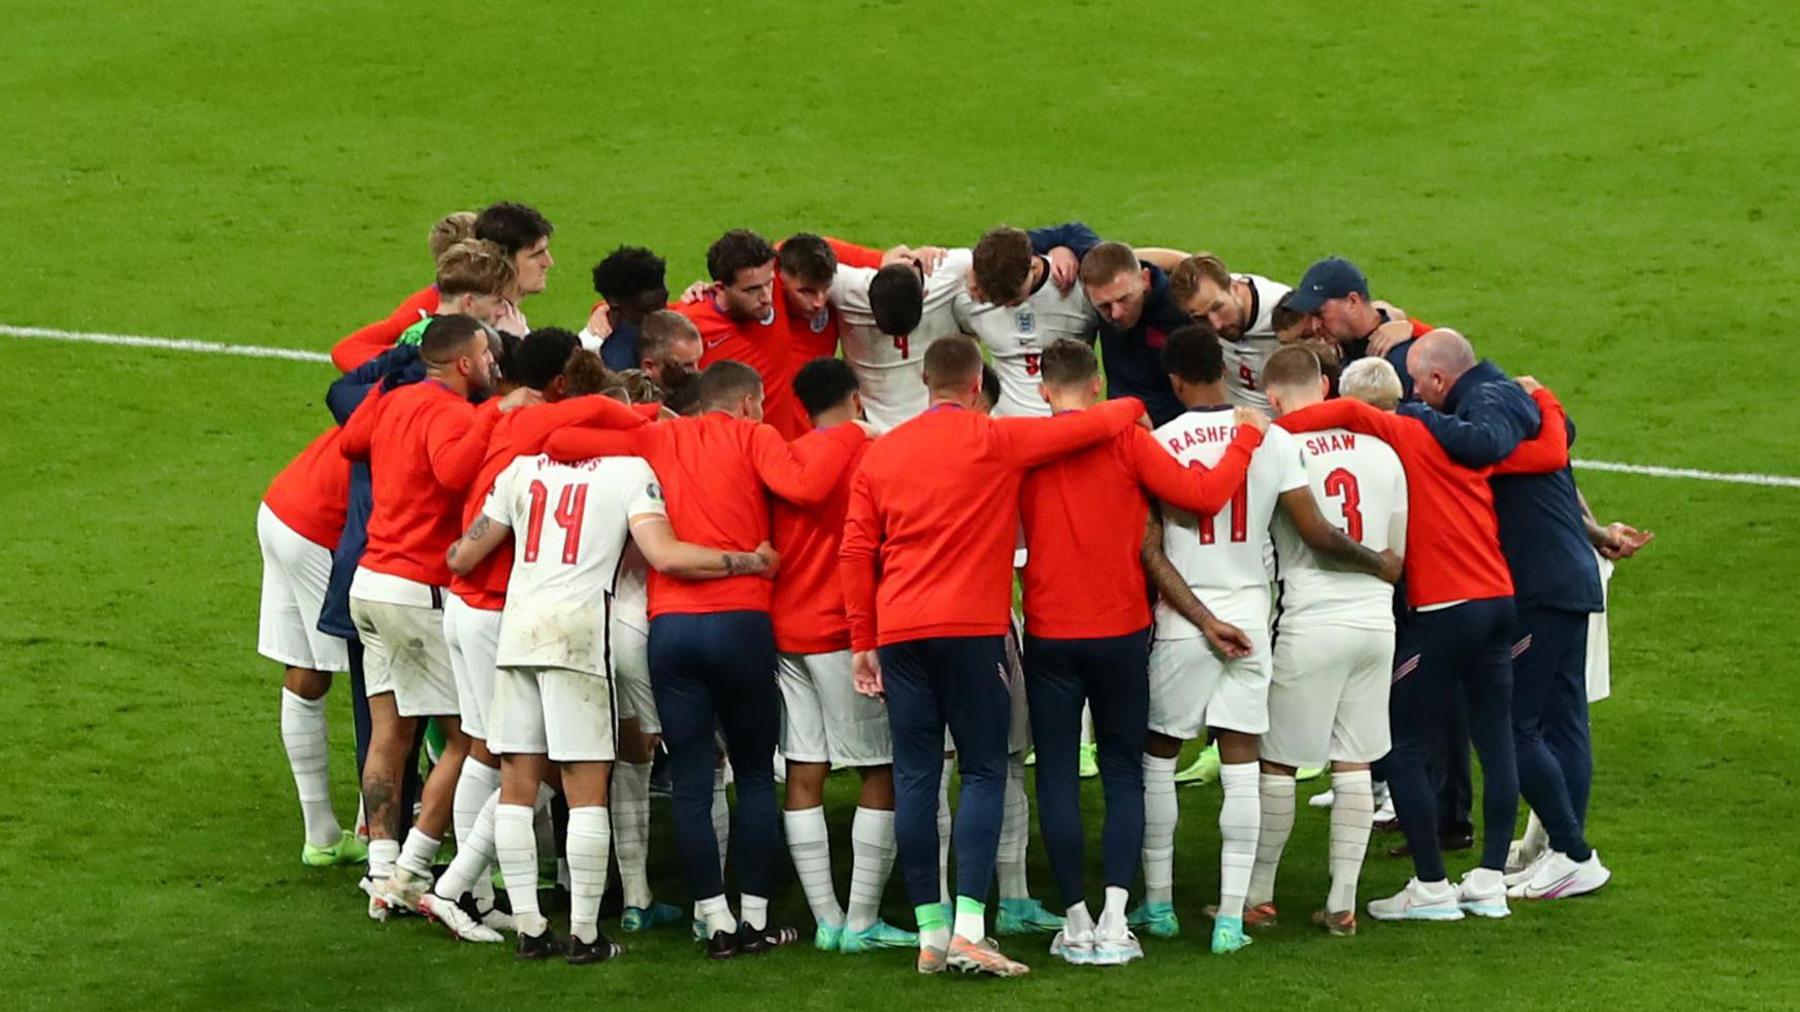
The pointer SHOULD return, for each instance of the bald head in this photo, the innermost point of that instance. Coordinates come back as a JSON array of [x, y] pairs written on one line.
[[1436, 361]]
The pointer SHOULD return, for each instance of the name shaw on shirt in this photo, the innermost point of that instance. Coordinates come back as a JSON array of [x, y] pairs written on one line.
[[1329, 442]]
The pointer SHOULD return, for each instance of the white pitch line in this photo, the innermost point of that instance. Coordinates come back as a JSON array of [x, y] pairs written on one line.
[[257, 351], [164, 343]]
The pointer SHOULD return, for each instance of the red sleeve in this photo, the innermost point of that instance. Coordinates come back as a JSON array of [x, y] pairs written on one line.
[[1546, 452], [1194, 488], [1420, 328], [575, 443], [360, 427], [1348, 413], [1032, 442], [858, 562], [803, 473], [851, 255], [456, 443], [370, 341]]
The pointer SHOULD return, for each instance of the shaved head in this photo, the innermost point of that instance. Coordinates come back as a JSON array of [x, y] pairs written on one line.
[[1436, 361]]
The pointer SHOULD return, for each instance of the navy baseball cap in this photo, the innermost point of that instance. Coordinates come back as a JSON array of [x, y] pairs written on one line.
[[1331, 278]]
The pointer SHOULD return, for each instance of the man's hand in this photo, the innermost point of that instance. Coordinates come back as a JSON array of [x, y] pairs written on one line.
[[1624, 541], [771, 559], [1250, 416], [520, 398], [1530, 384], [865, 672], [1391, 566], [699, 291], [599, 322], [1065, 267], [927, 257], [1226, 638], [1388, 335]]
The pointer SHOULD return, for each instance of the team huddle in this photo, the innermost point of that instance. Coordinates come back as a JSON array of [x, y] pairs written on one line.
[[782, 520]]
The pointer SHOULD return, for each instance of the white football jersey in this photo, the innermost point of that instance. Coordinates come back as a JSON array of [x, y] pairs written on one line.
[[1015, 338], [1246, 356], [1361, 489], [891, 370], [631, 591], [569, 524], [1227, 557]]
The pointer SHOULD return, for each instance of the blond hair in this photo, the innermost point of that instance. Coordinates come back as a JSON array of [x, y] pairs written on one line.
[[1372, 381], [449, 230], [475, 267]]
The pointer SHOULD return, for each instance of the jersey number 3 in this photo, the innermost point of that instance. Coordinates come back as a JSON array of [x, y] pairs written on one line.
[[1340, 482], [571, 507]]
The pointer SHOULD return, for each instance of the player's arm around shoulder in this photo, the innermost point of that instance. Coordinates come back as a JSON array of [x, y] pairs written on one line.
[[1196, 488], [489, 529], [804, 472], [1033, 442], [1548, 451]]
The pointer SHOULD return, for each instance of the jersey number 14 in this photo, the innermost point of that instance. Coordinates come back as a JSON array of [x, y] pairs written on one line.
[[571, 507]]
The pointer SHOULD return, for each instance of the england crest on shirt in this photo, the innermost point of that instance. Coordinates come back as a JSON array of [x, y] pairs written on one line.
[[1026, 320], [821, 319]]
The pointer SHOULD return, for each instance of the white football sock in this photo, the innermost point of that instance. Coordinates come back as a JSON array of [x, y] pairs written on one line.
[[382, 855], [417, 852], [303, 733], [631, 831], [971, 920], [543, 825], [515, 847], [1113, 913], [1015, 834], [809, 841], [1077, 921], [1160, 813], [715, 913], [871, 861], [477, 784], [945, 824], [1352, 814], [755, 910], [590, 839], [1240, 819], [474, 853], [1277, 798], [1537, 838], [721, 816]]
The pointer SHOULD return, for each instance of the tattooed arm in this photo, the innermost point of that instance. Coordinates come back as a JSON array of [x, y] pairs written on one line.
[[675, 557], [477, 543]]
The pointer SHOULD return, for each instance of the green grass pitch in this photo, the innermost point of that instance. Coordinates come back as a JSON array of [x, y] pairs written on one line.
[[1601, 195]]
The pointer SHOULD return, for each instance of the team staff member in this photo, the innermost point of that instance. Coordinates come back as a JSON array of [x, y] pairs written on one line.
[[1082, 518], [1137, 314], [1336, 294], [712, 646], [1479, 415], [928, 544]]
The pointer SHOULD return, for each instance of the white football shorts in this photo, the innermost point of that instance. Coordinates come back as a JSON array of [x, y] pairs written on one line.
[[566, 715], [295, 575], [473, 638], [1192, 688], [404, 653], [1328, 698], [824, 718]]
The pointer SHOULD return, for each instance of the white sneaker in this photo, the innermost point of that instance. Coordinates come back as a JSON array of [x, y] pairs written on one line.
[[1322, 799], [1557, 876], [1483, 893], [402, 890], [1520, 876], [1419, 901], [1521, 855], [1073, 947], [1385, 811], [461, 925], [1116, 948]]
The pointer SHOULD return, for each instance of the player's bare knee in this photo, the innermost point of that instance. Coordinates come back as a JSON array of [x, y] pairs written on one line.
[[1277, 769], [307, 683], [1161, 746]]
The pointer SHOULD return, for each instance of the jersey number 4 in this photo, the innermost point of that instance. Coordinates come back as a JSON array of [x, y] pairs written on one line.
[[1340, 482], [571, 507], [903, 345], [1239, 507]]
